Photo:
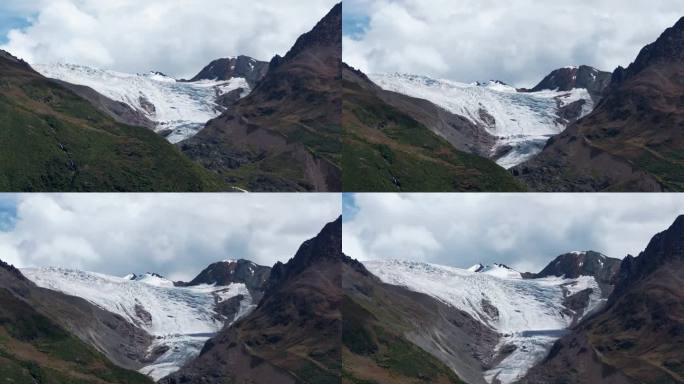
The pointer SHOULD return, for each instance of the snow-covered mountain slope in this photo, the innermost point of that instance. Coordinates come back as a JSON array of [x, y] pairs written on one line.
[[180, 109], [151, 279], [528, 313], [522, 121], [182, 319], [500, 270]]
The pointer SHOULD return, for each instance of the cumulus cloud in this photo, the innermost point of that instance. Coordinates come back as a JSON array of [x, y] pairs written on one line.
[[525, 231], [173, 36], [176, 235], [515, 41]]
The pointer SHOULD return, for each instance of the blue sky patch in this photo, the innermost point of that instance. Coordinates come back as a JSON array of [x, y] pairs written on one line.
[[349, 207], [9, 22], [355, 26], [8, 213]]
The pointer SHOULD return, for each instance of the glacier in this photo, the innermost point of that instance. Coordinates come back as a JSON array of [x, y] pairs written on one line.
[[523, 121], [181, 319], [531, 315], [179, 109]]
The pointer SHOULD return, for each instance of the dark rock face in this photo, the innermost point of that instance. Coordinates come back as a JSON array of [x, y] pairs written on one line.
[[569, 78], [230, 98], [12, 269], [325, 246], [579, 301], [589, 263], [287, 131], [293, 334], [667, 49], [231, 307], [146, 105], [665, 248], [572, 112], [7, 61], [225, 69], [228, 272], [632, 140], [489, 309], [637, 337], [143, 315]]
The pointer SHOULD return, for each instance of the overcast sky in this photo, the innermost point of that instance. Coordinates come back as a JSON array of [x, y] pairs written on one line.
[[524, 231], [175, 235], [177, 37], [518, 41]]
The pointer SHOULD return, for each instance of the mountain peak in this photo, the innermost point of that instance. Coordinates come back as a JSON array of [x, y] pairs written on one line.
[[9, 267], [291, 118], [227, 272], [9, 60], [327, 245], [665, 247], [500, 270], [328, 32], [228, 68], [668, 48], [154, 279], [574, 264], [572, 77], [8, 56]]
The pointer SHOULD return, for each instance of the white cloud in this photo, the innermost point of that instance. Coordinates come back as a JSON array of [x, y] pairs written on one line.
[[515, 41], [177, 37], [173, 234], [525, 231]]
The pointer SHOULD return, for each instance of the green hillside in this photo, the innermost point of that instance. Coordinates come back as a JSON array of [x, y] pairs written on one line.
[[53, 140], [374, 351], [33, 349]]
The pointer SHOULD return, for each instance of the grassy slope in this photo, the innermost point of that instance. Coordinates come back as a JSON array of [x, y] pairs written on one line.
[[33, 349], [283, 171], [52, 140], [641, 122], [386, 150], [642, 335], [374, 352], [667, 166]]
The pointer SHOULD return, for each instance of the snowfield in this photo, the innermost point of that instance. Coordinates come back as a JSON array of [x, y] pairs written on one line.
[[179, 107], [524, 121], [529, 312], [181, 318]]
